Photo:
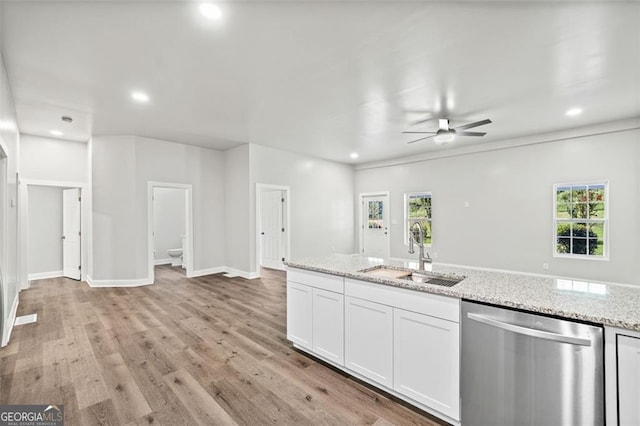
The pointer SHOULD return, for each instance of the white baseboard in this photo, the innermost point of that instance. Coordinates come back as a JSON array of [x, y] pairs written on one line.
[[44, 275], [8, 327], [162, 261], [146, 281], [226, 269], [208, 271], [242, 274], [119, 283]]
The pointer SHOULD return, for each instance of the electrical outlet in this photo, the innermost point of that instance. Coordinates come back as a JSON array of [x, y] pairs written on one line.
[[466, 204], [435, 255], [545, 266]]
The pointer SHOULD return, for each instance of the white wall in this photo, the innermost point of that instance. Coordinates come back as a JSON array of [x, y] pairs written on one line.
[[122, 166], [53, 159], [45, 230], [9, 140], [237, 205], [169, 224], [321, 201], [509, 222]]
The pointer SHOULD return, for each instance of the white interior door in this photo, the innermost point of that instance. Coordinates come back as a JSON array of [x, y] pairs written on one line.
[[71, 257], [375, 225], [272, 229]]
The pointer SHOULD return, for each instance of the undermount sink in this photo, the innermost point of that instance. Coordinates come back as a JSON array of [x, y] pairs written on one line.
[[422, 277]]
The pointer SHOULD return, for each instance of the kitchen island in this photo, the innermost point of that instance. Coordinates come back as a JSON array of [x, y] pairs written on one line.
[[404, 336]]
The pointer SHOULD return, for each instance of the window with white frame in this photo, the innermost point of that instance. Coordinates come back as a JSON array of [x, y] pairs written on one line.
[[417, 208], [580, 220]]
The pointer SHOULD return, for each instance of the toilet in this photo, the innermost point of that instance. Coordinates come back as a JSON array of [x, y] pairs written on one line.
[[176, 256]]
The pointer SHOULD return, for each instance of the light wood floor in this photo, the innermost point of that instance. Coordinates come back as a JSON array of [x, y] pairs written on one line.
[[209, 350]]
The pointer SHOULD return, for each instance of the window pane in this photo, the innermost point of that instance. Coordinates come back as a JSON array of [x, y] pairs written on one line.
[[579, 194], [375, 215], [596, 193], [426, 230], [563, 230], [563, 211], [579, 230], [563, 194], [579, 210], [563, 245], [596, 210], [579, 246], [419, 206]]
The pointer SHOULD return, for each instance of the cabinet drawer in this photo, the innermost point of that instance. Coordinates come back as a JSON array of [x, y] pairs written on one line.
[[447, 308], [316, 279]]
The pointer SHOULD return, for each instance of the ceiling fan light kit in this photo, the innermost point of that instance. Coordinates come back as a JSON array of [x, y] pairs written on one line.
[[446, 133]]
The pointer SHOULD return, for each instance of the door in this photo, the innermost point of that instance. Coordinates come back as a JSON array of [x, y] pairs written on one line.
[[71, 257], [375, 226], [426, 360], [328, 325], [272, 229], [369, 339], [628, 380]]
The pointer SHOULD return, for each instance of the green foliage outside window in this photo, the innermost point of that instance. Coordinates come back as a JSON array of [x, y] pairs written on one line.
[[419, 209]]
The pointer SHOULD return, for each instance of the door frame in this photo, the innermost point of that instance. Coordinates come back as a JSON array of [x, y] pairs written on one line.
[[260, 187], [361, 197], [24, 230], [188, 255]]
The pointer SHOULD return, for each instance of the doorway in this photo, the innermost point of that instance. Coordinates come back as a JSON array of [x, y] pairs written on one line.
[[54, 231], [170, 230], [272, 225], [374, 220]]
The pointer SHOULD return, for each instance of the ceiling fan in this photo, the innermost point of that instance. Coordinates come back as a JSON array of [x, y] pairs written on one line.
[[446, 133]]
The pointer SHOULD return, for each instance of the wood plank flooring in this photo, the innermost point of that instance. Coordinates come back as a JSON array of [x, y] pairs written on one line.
[[207, 351]]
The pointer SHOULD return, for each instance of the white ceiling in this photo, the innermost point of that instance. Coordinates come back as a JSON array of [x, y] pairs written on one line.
[[320, 78]]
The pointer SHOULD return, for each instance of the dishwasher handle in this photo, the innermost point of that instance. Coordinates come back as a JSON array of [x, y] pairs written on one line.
[[546, 335]]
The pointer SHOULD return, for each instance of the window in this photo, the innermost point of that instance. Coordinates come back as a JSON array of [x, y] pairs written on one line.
[[580, 220], [376, 216], [417, 208]]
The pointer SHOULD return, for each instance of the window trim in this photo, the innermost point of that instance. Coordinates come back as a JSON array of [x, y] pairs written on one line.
[[605, 221], [405, 215]]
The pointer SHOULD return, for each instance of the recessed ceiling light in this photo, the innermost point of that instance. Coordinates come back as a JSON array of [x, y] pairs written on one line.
[[140, 97], [354, 155], [56, 133], [573, 112], [210, 11]]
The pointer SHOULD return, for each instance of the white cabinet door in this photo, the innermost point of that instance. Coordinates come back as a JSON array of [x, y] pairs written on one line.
[[299, 314], [369, 339], [628, 380], [328, 325], [426, 361]]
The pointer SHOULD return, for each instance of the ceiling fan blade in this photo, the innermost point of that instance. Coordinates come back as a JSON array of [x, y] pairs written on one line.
[[421, 139], [420, 132], [472, 125], [471, 133]]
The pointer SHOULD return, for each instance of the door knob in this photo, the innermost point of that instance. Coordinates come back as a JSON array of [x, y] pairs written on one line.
[[63, 237]]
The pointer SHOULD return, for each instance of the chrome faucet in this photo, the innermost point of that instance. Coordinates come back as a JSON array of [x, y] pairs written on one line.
[[422, 260]]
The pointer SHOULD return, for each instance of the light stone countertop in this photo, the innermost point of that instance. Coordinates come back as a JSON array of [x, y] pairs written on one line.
[[603, 303]]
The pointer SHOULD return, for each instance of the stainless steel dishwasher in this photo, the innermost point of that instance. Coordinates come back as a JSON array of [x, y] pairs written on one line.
[[520, 368]]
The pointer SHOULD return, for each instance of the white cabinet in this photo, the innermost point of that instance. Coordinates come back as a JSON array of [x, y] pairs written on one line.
[[315, 313], [328, 325], [369, 339], [299, 314], [628, 380], [426, 354]]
